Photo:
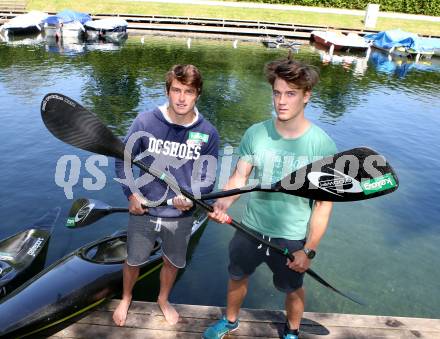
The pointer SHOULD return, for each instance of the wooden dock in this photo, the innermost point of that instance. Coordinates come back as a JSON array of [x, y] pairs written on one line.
[[159, 24], [12, 6], [156, 24], [145, 320]]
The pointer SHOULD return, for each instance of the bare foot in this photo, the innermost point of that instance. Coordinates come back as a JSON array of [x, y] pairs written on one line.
[[170, 313], [120, 314]]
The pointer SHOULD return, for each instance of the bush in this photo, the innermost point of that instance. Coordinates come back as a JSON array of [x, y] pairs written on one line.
[[425, 7]]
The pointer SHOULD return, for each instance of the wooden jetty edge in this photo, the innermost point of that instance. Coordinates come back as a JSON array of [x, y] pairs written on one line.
[[145, 320]]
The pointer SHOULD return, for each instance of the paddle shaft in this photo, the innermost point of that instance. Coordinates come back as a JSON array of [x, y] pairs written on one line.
[[124, 209], [168, 202], [118, 209], [236, 191]]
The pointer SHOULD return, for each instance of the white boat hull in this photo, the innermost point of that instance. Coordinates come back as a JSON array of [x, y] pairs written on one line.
[[69, 30]]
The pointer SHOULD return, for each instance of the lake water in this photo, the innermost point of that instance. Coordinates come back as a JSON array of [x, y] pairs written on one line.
[[385, 250]]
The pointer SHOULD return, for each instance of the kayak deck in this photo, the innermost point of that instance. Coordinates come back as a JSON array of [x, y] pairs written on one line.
[[145, 320]]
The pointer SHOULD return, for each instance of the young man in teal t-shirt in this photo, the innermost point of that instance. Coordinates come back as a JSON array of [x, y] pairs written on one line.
[[273, 149]]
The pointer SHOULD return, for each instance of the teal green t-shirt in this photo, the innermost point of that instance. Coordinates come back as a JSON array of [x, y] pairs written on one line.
[[280, 215]]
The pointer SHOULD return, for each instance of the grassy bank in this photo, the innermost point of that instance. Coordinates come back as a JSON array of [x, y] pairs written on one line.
[[296, 17]]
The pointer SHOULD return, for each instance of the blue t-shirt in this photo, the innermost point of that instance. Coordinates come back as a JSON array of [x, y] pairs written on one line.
[[186, 153]]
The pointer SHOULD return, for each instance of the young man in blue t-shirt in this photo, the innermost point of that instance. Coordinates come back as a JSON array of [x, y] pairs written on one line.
[[175, 139], [273, 149]]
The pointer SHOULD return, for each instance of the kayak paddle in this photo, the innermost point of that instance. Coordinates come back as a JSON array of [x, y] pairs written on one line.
[[86, 211], [330, 178], [73, 124], [327, 179]]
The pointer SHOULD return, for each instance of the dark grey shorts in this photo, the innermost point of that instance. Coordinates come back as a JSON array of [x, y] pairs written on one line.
[[246, 254], [144, 230]]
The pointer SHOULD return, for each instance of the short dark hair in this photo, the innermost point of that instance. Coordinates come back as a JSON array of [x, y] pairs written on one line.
[[295, 72], [186, 74]]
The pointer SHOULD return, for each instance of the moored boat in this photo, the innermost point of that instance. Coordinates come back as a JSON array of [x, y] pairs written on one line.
[[403, 44], [28, 23], [280, 41], [339, 41], [18, 252], [108, 29], [74, 284], [66, 24]]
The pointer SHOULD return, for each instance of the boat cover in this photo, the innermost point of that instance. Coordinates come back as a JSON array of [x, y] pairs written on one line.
[[67, 16], [427, 44], [106, 24], [340, 39], [392, 38], [33, 18], [399, 38]]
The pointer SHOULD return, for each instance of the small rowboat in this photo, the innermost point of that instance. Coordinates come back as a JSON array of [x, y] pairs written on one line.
[[339, 41], [28, 23], [108, 29]]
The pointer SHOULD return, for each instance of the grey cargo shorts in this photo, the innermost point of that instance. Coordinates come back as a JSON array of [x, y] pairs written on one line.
[[143, 230]]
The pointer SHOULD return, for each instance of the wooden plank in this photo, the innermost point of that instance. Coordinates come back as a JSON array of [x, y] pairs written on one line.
[[12, 5], [235, 21], [417, 324], [258, 315], [146, 320], [331, 319], [185, 325], [198, 311], [227, 23], [97, 331], [203, 315], [156, 327], [219, 30]]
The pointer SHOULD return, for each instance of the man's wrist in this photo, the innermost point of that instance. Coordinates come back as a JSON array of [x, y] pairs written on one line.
[[310, 252]]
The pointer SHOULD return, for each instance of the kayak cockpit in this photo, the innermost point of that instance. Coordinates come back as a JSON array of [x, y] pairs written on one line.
[[5, 269], [112, 251]]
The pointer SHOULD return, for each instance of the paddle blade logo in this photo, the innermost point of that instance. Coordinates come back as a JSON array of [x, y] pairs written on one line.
[[70, 222], [82, 213], [335, 183], [33, 250], [379, 184]]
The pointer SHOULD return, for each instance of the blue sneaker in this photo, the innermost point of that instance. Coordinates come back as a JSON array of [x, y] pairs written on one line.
[[289, 334], [220, 329]]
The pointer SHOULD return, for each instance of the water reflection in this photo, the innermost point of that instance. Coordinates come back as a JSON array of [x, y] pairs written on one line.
[[400, 67], [103, 46], [70, 46], [355, 63], [21, 40]]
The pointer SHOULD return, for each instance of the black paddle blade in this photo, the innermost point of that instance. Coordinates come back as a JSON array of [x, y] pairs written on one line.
[[70, 122], [85, 212], [356, 174]]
